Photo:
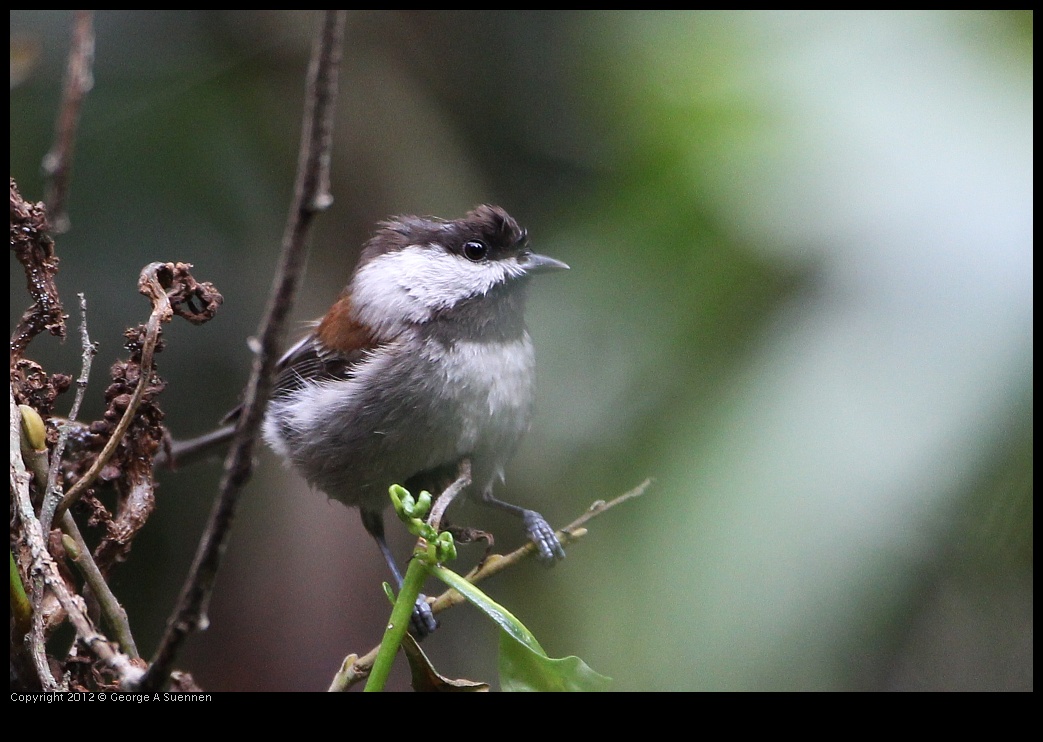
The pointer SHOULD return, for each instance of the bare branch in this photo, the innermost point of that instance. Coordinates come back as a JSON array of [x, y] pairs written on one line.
[[570, 533], [186, 451], [79, 79], [311, 196], [51, 494]]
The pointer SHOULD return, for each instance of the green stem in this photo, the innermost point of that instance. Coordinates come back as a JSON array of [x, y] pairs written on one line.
[[416, 573], [20, 606], [114, 613]]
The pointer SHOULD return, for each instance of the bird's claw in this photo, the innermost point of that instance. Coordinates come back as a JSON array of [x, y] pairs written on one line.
[[423, 622], [540, 533]]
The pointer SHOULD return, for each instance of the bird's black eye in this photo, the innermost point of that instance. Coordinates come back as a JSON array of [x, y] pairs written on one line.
[[475, 250]]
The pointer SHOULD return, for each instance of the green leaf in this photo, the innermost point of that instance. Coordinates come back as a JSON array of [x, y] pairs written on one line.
[[524, 666], [503, 617], [522, 669]]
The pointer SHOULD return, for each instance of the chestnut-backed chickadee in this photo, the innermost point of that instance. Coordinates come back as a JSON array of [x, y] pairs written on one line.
[[423, 361]]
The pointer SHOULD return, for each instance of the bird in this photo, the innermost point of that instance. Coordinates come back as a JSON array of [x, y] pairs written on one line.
[[423, 361]]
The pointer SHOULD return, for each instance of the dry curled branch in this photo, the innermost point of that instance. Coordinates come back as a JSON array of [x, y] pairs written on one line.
[[34, 249], [134, 379], [132, 425]]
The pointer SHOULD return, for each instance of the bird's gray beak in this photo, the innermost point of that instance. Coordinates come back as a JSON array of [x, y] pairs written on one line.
[[535, 263]]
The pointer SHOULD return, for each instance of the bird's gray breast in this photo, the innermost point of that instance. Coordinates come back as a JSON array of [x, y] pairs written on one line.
[[416, 405]]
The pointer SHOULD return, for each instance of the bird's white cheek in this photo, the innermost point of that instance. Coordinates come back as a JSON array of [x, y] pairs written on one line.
[[409, 285]]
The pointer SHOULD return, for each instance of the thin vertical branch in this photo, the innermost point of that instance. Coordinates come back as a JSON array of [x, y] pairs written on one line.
[[52, 495], [79, 79], [311, 195]]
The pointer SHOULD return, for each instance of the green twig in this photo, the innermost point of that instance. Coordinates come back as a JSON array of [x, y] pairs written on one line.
[[114, 613], [20, 608], [416, 573]]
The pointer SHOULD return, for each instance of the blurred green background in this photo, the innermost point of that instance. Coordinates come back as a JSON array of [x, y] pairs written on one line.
[[800, 299]]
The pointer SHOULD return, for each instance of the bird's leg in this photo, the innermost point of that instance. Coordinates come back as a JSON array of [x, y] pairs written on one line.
[[423, 620], [536, 526]]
